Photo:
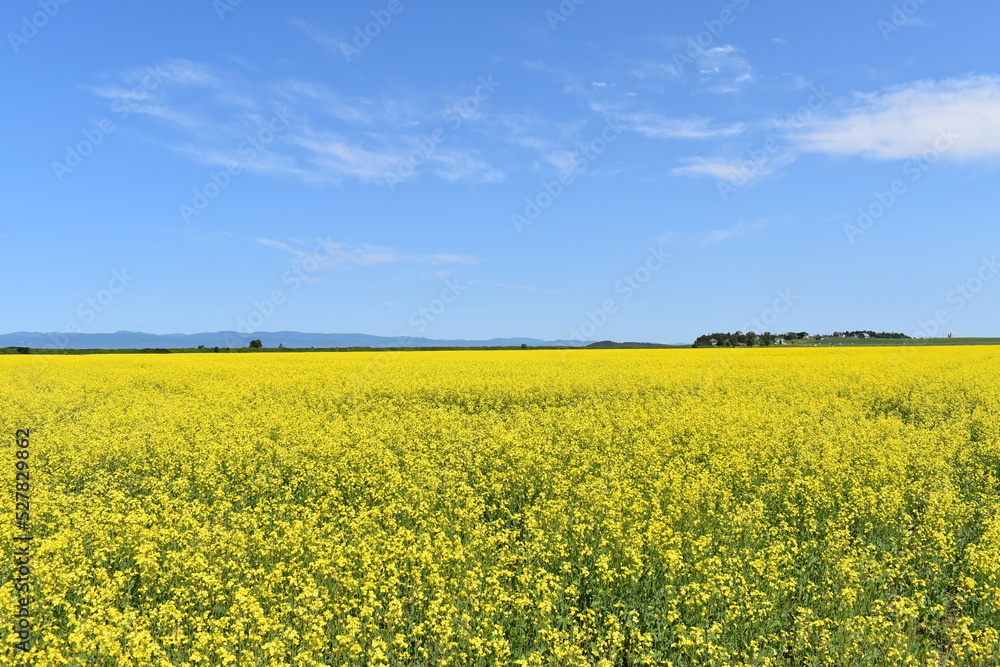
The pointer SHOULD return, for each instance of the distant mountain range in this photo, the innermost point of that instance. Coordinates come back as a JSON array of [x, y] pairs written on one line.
[[123, 340]]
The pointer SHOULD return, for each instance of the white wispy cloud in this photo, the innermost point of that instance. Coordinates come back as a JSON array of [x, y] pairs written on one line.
[[339, 253], [723, 69], [445, 258], [317, 34], [189, 105], [740, 230], [658, 126], [716, 69], [529, 288], [551, 142], [333, 157], [150, 91], [367, 112], [175, 72], [719, 168], [350, 109], [955, 117], [275, 244], [653, 70], [214, 116], [456, 165], [739, 171]]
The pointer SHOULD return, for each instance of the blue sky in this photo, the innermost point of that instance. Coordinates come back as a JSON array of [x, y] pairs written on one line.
[[630, 171]]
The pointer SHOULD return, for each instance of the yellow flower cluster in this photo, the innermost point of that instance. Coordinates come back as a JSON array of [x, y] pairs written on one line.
[[610, 508]]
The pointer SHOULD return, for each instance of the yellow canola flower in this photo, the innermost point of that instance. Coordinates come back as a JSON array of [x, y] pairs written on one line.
[[640, 507]]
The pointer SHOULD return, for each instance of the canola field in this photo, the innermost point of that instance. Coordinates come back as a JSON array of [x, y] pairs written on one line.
[[612, 508]]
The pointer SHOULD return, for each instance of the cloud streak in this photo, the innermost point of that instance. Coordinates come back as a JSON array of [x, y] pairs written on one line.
[[207, 114], [350, 254], [658, 126], [740, 230], [903, 121], [733, 170]]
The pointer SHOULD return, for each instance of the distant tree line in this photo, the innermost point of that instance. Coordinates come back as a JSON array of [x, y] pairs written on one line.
[[871, 334], [748, 339]]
